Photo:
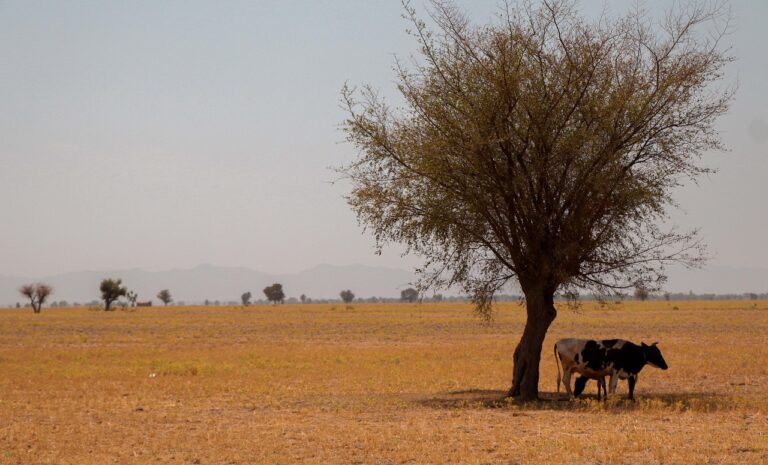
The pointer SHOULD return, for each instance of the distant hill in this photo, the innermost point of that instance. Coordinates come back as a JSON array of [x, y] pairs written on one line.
[[322, 282], [221, 283]]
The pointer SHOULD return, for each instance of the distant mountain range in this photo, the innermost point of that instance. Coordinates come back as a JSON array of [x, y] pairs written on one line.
[[321, 282]]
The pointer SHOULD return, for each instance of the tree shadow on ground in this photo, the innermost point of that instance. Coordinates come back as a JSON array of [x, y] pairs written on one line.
[[496, 399]]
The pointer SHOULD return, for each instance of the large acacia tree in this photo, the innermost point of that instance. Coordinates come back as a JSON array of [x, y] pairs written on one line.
[[542, 148]]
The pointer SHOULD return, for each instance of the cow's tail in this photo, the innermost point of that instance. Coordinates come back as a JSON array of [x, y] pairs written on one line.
[[557, 363]]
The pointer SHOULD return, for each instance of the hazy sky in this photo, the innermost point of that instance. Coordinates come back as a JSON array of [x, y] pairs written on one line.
[[167, 134]]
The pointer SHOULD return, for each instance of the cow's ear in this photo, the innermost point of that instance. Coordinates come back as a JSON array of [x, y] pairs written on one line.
[[644, 344], [654, 344]]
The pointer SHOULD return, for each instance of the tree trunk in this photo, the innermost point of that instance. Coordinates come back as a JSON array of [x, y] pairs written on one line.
[[541, 313]]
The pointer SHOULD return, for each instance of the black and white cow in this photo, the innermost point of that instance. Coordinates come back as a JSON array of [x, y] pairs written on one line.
[[616, 358]]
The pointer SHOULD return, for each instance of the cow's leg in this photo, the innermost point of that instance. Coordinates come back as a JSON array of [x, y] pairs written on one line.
[[567, 381], [598, 388], [613, 382], [632, 380]]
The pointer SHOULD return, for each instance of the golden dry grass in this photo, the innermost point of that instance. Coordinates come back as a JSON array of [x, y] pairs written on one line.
[[375, 384]]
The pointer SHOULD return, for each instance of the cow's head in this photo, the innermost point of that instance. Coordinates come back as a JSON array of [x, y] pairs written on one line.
[[653, 356], [579, 385]]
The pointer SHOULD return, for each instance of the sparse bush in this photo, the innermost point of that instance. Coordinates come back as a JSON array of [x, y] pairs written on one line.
[[409, 295], [37, 294], [274, 293], [165, 296], [641, 293], [111, 290], [246, 298], [347, 296]]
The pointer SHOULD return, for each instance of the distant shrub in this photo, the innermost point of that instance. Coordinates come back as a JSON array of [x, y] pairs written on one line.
[[274, 293], [347, 296], [111, 290], [165, 296], [37, 294], [409, 295]]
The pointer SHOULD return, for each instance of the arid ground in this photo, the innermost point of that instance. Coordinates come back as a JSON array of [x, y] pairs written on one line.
[[372, 384]]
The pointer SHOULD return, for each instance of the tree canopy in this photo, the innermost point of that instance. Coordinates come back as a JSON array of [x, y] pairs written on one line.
[[111, 290], [274, 293], [165, 296], [409, 295], [347, 296], [542, 148], [37, 294]]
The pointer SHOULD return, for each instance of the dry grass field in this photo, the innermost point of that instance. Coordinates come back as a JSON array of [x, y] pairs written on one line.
[[372, 384]]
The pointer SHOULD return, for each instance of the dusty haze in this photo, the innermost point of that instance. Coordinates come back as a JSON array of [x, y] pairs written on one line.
[[165, 135]]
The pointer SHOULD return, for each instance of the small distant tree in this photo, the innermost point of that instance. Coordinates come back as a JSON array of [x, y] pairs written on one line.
[[246, 298], [18, 305], [752, 296], [111, 290], [437, 297], [409, 295], [303, 298], [37, 294], [165, 296], [641, 293], [666, 296], [274, 293], [347, 296], [132, 296]]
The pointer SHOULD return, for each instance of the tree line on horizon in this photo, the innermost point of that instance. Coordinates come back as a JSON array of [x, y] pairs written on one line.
[[111, 290]]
